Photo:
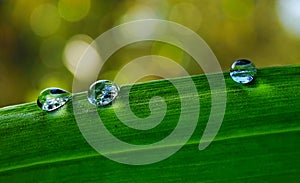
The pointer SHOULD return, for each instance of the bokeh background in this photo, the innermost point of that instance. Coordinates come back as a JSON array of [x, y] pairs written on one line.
[[41, 41]]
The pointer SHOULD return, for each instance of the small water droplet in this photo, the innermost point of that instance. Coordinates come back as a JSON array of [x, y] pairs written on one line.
[[243, 71], [51, 99], [102, 92]]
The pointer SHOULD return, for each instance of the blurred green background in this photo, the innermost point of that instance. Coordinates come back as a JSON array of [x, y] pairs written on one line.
[[41, 41]]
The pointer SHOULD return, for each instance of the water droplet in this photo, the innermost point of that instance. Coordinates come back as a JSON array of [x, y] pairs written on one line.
[[102, 92], [243, 71], [51, 99]]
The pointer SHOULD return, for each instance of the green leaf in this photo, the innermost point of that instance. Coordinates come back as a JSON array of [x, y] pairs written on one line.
[[258, 140]]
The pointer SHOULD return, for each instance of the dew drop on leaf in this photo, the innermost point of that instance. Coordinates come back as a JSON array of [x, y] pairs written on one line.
[[243, 71], [102, 92], [51, 99]]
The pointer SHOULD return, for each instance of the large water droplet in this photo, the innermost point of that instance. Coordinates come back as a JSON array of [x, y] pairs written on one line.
[[243, 71], [51, 99], [103, 92]]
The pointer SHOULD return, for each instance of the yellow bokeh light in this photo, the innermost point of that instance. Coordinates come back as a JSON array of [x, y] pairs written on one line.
[[73, 10], [138, 12], [80, 54], [45, 20], [289, 15], [186, 14], [238, 9]]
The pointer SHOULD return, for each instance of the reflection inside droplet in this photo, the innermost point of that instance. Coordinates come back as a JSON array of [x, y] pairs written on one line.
[[243, 71], [51, 99], [103, 92]]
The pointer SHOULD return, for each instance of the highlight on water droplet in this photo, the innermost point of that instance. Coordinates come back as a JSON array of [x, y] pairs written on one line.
[[243, 71], [102, 92], [51, 99]]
